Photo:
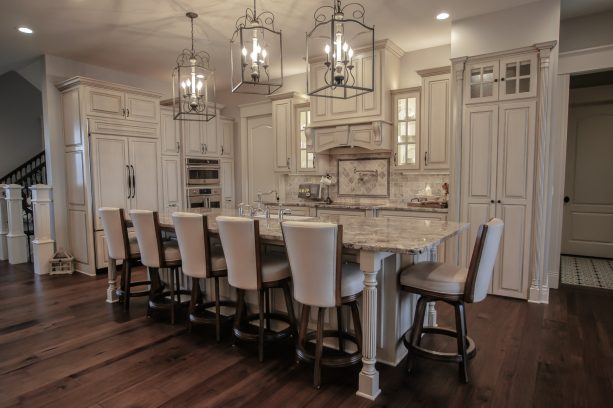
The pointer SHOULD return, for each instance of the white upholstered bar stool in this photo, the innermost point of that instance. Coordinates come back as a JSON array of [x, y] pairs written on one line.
[[201, 261], [454, 285], [124, 248], [250, 269], [321, 280], [156, 254]]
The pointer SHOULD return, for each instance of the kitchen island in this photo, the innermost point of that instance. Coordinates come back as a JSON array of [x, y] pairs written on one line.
[[383, 246]]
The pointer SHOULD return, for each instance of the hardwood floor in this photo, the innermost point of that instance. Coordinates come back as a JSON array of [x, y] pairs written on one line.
[[62, 345]]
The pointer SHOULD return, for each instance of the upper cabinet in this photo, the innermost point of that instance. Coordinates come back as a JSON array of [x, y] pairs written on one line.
[[201, 139], [436, 118], [170, 135], [406, 104], [372, 106], [283, 119], [226, 137], [110, 103], [511, 77]]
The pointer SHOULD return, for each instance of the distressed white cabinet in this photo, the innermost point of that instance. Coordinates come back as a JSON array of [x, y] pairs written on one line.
[[118, 104], [142, 108], [407, 107], [435, 131], [200, 139], [170, 134], [172, 190], [210, 137], [510, 77], [226, 137], [227, 183], [283, 130], [497, 181]]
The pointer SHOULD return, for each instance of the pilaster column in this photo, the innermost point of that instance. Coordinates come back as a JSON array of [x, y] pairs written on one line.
[[431, 306], [42, 244], [4, 225], [16, 240], [539, 286]]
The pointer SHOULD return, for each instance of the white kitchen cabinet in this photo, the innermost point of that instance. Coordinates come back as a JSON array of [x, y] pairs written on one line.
[[144, 163], [210, 137], [118, 104], [170, 134], [497, 181], [510, 77], [226, 137], [343, 211], [371, 136], [200, 138], [172, 190], [435, 132], [407, 107], [227, 183], [282, 130]]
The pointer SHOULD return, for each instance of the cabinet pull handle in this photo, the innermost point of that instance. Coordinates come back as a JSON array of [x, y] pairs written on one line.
[[395, 159], [178, 147], [206, 148], [222, 150], [288, 162], [201, 148], [127, 112], [425, 158], [123, 112], [133, 182], [129, 182]]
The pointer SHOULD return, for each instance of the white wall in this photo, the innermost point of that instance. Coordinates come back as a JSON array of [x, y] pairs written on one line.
[[594, 30], [422, 59], [505, 30]]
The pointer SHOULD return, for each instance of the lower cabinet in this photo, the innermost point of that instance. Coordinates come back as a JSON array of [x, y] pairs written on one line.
[[335, 211], [171, 183], [227, 184]]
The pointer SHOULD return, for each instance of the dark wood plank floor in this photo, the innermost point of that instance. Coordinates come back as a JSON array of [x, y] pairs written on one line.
[[61, 345]]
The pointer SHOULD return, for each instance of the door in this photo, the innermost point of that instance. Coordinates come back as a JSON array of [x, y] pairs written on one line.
[[518, 76], [211, 143], [110, 172], [227, 183], [479, 154], [514, 190], [227, 138], [481, 82], [144, 167], [260, 150], [192, 138], [105, 103], [142, 109], [588, 215], [171, 183], [282, 132], [436, 133], [169, 133]]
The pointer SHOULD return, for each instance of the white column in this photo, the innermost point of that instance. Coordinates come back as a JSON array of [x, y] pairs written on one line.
[[42, 244], [370, 264], [17, 242], [4, 225], [539, 287]]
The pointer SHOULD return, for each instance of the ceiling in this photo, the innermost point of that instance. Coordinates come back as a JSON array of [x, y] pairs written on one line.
[[144, 36]]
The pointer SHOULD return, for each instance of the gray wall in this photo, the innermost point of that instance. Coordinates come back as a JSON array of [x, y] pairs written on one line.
[[20, 121]]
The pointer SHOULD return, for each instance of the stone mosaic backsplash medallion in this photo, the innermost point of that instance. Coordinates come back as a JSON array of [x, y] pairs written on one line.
[[367, 177]]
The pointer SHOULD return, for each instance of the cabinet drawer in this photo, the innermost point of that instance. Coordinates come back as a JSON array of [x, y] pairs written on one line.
[[333, 211], [105, 103], [122, 127], [411, 214]]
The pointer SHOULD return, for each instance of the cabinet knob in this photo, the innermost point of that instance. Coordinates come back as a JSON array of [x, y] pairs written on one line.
[[492, 201], [566, 199], [501, 79], [495, 79], [499, 202]]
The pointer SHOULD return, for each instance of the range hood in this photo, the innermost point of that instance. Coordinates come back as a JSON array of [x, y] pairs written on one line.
[[376, 135]]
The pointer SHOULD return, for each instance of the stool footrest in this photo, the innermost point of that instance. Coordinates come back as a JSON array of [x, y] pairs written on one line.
[[250, 333], [335, 358], [438, 355], [203, 316]]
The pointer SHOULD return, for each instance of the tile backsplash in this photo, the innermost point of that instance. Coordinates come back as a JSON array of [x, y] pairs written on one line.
[[403, 185]]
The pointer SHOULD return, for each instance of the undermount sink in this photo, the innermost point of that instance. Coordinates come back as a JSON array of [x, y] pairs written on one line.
[[285, 217]]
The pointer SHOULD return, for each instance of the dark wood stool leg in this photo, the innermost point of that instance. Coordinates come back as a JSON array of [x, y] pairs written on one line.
[[172, 297], [304, 323], [319, 347], [267, 305], [128, 278], [416, 329], [192, 303], [290, 306], [357, 324], [460, 318], [154, 277], [261, 327], [217, 312], [339, 320], [239, 312], [178, 288]]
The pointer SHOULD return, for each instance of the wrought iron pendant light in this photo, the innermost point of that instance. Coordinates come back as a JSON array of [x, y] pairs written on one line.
[[193, 84], [340, 52], [256, 54]]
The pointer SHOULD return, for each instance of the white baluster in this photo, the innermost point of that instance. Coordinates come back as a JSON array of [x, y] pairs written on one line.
[[4, 225], [16, 240], [42, 245]]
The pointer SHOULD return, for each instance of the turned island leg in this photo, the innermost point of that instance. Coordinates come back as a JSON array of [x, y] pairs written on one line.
[[431, 306], [111, 292]]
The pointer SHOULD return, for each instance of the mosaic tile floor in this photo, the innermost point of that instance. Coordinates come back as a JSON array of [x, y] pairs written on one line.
[[594, 272]]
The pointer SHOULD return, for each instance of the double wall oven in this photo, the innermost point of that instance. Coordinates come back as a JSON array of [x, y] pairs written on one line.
[[203, 188]]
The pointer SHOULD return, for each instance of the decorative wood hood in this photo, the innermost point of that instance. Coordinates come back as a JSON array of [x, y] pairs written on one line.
[[376, 135]]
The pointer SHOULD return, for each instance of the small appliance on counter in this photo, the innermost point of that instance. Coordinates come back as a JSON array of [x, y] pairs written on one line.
[[310, 191], [327, 181]]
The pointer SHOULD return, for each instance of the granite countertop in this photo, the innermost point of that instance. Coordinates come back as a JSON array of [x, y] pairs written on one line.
[[408, 236], [358, 206]]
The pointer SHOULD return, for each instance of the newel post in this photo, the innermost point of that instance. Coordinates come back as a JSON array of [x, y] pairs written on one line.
[[4, 225], [16, 240], [42, 245]]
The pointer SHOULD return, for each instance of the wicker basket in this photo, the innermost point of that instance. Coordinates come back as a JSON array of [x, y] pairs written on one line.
[[61, 263]]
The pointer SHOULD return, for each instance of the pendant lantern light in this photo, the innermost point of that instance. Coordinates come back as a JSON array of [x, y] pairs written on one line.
[[256, 54], [340, 54], [193, 83]]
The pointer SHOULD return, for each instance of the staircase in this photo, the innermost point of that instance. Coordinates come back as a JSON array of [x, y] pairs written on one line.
[[29, 173]]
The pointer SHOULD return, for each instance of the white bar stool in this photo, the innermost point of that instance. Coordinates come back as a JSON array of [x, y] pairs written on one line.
[[156, 254], [249, 269], [454, 285], [322, 281], [201, 261], [122, 247]]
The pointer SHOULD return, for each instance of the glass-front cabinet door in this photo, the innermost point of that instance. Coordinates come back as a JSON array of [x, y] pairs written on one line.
[[306, 162], [406, 128], [518, 76], [481, 82]]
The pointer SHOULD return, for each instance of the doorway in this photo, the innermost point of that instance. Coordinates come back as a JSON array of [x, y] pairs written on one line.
[[587, 228]]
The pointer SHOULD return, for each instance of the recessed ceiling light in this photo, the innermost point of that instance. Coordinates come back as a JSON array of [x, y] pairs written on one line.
[[25, 30], [443, 15]]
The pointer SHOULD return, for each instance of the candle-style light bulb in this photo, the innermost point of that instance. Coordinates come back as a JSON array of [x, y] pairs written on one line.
[[199, 86], [350, 53], [327, 49], [345, 47], [244, 52], [264, 53]]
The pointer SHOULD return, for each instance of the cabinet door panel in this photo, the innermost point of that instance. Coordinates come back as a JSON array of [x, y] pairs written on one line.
[[436, 130], [105, 102], [227, 182], [211, 142], [169, 133], [142, 109], [227, 138], [110, 173], [479, 153], [282, 131], [518, 76], [144, 162], [481, 82], [192, 140], [171, 183]]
